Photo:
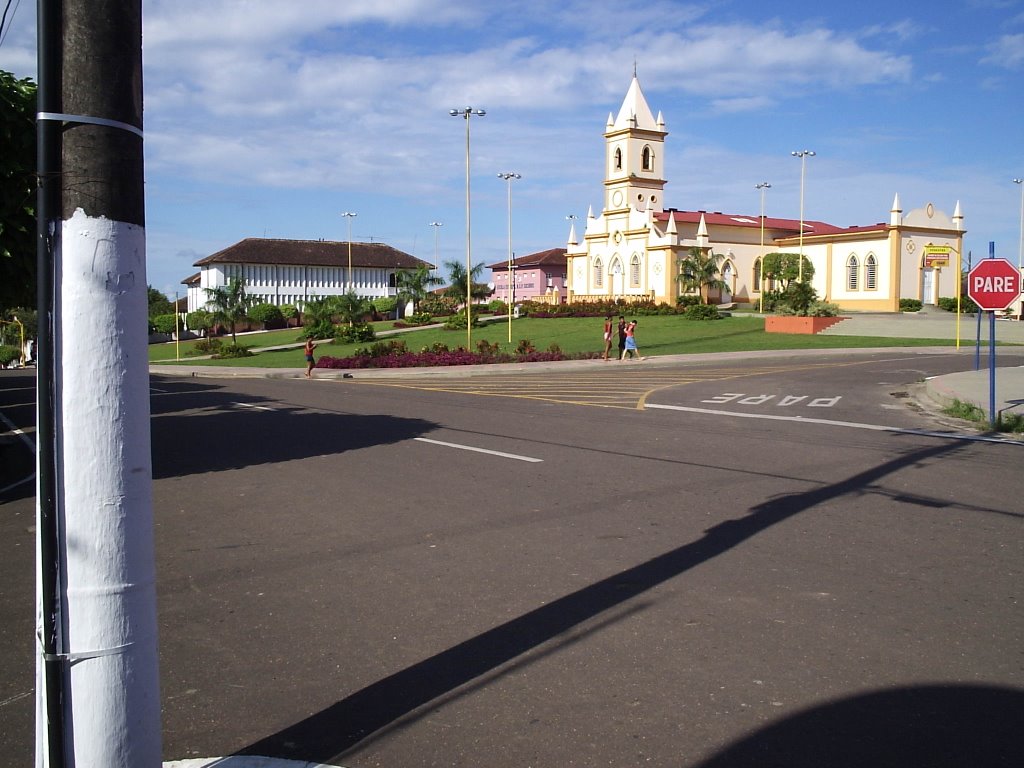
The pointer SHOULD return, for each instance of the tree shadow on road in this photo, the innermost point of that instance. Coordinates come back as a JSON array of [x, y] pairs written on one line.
[[327, 735]]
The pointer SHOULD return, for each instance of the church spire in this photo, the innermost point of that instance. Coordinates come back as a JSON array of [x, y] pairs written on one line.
[[634, 112]]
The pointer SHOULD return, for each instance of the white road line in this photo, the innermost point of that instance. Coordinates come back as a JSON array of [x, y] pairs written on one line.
[[256, 407], [478, 450], [28, 442], [850, 424]]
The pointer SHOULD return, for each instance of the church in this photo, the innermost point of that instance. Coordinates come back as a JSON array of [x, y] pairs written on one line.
[[632, 249]]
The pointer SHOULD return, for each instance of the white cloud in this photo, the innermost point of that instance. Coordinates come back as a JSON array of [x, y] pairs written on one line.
[[1007, 52]]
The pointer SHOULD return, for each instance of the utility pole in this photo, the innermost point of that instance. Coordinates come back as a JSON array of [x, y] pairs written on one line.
[[98, 697]]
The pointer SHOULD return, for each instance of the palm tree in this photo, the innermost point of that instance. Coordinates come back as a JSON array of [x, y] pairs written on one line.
[[229, 304], [457, 280], [413, 285], [699, 271], [351, 308]]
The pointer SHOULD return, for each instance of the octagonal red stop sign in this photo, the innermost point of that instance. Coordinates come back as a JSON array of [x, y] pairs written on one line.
[[994, 284]]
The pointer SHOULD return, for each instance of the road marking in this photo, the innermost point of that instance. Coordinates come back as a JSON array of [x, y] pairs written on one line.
[[834, 423], [31, 447], [256, 407], [479, 450]]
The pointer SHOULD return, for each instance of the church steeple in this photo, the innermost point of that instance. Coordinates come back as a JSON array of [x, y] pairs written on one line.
[[634, 144]]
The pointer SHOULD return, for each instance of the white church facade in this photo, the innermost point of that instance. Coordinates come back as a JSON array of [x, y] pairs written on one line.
[[633, 248]]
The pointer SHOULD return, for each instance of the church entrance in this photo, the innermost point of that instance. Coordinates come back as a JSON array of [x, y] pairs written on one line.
[[618, 278]]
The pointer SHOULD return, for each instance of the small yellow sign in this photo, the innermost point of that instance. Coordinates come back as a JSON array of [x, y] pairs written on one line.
[[936, 255]]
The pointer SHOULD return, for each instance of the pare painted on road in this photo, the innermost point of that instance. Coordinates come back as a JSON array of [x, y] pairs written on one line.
[[779, 401]]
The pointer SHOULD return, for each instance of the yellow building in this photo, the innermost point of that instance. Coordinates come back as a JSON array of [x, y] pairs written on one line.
[[632, 249]]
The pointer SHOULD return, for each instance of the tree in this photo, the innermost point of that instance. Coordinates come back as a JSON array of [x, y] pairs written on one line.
[[784, 268], [699, 271], [351, 308], [414, 285], [457, 282], [17, 191], [159, 304], [229, 304], [200, 321]]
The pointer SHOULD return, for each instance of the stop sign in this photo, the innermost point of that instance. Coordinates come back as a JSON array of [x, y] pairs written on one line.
[[993, 284]]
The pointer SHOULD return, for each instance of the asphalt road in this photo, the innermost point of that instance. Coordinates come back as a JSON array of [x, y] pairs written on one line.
[[776, 566]]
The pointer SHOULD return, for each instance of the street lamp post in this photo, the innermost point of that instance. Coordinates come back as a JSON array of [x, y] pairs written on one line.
[[436, 225], [466, 113], [764, 185], [349, 215], [1020, 247], [508, 176], [803, 154]]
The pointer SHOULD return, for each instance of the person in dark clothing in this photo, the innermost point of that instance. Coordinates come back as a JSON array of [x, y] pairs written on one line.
[[622, 336]]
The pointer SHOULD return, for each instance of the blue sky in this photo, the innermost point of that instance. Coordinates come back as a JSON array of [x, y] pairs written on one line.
[[270, 119]]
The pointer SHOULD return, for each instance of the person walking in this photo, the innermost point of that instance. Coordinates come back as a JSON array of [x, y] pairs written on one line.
[[607, 336], [631, 342], [310, 360], [622, 335]]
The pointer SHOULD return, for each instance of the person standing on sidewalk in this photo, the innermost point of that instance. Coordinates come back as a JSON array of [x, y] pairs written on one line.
[[631, 342], [622, 336], [607, 336]]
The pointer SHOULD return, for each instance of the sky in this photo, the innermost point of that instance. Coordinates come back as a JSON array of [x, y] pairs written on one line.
[[270, 119]]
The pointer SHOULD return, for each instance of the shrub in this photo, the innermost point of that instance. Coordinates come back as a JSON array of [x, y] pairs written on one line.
[[438, 306], [164, 323], [910, 305], [702, 312], [385, 306], [687, 300], [487, 349], [200, 320], [823, 309], [349, 334], [205, 347], [289, 311], [320, 330], [232, 351], [497, 306], [385, 348], [458, 320], [525, 347], [967, 305], [269, 315], [9, 354]]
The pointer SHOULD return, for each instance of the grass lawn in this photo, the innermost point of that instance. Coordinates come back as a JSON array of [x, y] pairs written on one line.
[[655, 335]]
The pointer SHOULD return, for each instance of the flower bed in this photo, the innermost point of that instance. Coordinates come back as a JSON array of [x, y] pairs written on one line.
[[431, 359]]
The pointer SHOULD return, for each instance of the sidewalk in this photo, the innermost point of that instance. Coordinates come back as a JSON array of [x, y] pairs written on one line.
[[967, 386]]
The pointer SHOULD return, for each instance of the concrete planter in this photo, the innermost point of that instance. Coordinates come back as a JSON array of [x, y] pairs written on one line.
[[796, 324]]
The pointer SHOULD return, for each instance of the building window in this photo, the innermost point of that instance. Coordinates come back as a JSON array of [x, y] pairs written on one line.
[[756, 282], [634, 271], [852, 273], [871, 273], [598, 273], [647, 159], [618, 159]]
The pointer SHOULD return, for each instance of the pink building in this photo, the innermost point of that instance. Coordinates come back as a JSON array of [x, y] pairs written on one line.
[[536, 276]]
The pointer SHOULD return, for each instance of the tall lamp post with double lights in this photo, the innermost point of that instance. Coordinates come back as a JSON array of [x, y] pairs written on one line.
[[436, 225], [349, 215], [508, 176], [466, 113], [762, 187], [803, 154]]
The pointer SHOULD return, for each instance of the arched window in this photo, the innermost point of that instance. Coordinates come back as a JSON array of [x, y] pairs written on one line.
[[392, 280], [756, 282], [598, 273], [852, 273], [647, 159], [871, 273], [618, 159], [634, 271]]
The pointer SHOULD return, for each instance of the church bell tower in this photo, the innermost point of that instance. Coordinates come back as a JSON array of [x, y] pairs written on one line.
[[634, 155]]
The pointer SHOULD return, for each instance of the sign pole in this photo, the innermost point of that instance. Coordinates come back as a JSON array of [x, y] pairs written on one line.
[[992, 353]]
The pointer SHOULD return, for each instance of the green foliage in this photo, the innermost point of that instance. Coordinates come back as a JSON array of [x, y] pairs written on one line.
[[497, 306], [17, 191], [796, 299], [784, 268], [269, 315], [205, 347], [289, 311], [702, 312], [200, 321], [230, 304], [910, 305], [419, 318], [324, 329], [385, 348], [1005, 422], [699, 271], [823, 309], [9, 354], [28, 319], [458, 320], [164, 323], [967, 305], [687, 300], [438, 306], [385, 305], [233, 350], [414, 285], [525, 347], [457, 283], [159, 304], [351, 308], [357, 332]]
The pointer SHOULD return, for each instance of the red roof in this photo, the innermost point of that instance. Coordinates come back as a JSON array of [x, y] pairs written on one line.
[[553, 257], [788, 226]]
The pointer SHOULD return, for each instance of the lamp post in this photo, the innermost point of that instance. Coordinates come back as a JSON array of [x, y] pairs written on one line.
[[349, 215], [803, 154], [764, 185], [466, 113], [1020, 251], [508, 176], [436, 225]]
